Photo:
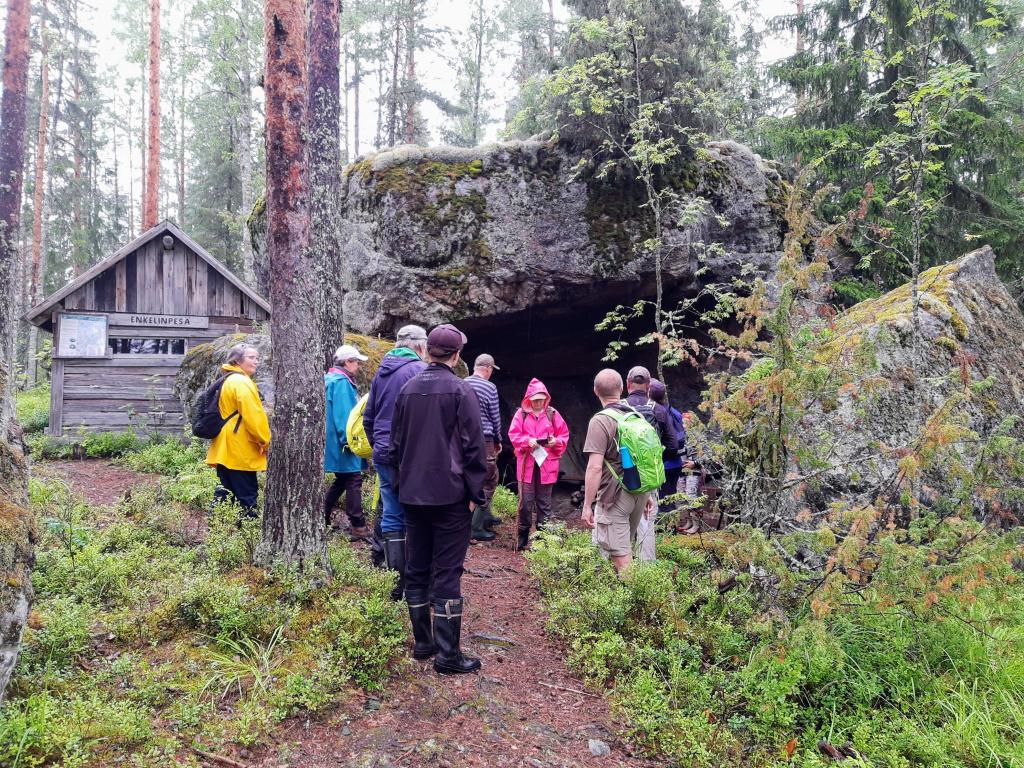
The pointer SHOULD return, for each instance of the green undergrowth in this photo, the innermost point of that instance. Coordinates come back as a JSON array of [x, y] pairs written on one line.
[[33, 408], [717, 655], [146, 639], [94, 445]]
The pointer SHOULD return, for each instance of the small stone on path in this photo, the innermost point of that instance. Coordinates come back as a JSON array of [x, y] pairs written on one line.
[[598, 748]]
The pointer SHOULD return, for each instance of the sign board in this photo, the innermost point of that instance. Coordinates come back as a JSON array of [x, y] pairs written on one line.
[[159, 321], [82, 335]]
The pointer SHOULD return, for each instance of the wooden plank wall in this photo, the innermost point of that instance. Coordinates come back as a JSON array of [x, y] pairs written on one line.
[[137, 391], [156, 281]]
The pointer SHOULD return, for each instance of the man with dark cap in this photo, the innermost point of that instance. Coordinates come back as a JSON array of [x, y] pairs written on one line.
[[490, 414], [438, 446]]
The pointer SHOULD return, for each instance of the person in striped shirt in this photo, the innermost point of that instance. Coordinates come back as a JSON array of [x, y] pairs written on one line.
[[490, 418]]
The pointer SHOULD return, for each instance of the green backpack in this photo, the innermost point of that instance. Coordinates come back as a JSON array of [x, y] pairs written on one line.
[[638, 441]]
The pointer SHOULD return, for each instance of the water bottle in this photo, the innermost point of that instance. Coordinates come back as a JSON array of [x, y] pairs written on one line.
[[630, 474]]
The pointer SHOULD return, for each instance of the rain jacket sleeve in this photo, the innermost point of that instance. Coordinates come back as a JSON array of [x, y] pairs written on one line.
[[561, 434], [517, 435], [254, 417], [370, 412]]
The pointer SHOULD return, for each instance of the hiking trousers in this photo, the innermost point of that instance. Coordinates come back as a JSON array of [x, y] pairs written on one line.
[[436, 540], [491, 478], [350, 484], [241, 484], [536, 498]]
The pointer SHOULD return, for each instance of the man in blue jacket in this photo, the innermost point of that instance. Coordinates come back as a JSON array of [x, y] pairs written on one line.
[[340, 398], [398, 366]]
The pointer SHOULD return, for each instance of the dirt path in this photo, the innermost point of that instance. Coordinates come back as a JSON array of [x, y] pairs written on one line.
[[98, 481], [522, 709]]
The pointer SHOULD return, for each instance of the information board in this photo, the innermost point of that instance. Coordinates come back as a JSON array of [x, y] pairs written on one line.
[[82, 336]]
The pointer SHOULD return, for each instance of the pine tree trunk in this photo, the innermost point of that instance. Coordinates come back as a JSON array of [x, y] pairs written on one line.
[[293, 520], [356, 76], [245, 157], [343, 98], [149, 210], [16, 550], [551, 30], [37, 197], [325, 170], [393, 106], [181, 148], [479, 71], [410, 74]]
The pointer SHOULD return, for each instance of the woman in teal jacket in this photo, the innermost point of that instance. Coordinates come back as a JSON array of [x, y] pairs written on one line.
[[341, 396]]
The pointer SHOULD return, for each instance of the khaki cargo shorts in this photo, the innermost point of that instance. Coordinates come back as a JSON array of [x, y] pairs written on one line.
[[615, 523]]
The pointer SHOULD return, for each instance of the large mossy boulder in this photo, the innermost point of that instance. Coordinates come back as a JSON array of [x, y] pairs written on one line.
[[948, 395], [443, 234], [203, 363]]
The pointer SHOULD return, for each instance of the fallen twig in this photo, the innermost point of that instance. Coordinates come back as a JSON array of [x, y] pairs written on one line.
[[569, 690], [219, 759]]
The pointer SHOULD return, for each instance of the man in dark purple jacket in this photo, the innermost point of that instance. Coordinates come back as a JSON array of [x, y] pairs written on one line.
[[398, 366], [437, 443]]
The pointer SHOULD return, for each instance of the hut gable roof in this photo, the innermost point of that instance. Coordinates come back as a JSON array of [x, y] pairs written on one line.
[[40, 314]]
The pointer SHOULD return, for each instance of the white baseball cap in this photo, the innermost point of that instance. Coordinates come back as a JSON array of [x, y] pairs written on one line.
[[348, 352]]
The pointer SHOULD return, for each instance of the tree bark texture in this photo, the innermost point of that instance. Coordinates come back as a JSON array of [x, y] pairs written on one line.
[[149, 211], [18, 539], [37, 195], [325, 170], [410, 75], [293, 520]]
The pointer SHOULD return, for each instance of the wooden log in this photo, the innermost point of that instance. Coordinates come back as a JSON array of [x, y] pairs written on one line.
[[120, 286], [56, 398]]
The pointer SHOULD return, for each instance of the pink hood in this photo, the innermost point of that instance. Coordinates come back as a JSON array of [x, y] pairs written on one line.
[[535, 386]]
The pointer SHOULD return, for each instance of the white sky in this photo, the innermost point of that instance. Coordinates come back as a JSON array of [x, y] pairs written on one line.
[[435, 67]]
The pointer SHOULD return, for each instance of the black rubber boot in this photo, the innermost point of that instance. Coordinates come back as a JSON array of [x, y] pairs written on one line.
[[447, 632], [377, 546], [480, 533], [422, 632], [523, 543], [394, 559], [490, 519]]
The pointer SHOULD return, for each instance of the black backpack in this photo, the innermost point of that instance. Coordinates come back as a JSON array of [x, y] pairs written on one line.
[[206, 419]]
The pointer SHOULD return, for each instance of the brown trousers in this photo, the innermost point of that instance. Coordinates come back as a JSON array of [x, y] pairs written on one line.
[[491, 478]]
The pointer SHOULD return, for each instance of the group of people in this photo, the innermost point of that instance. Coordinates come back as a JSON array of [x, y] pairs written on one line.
[[435, 442]]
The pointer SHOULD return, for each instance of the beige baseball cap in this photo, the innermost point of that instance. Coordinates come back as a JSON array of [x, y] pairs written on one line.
[[485, 361]]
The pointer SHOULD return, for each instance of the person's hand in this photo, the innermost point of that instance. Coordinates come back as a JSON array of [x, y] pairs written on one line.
[[533, 443], [499, 449], [551, 441], [588, 516], [649, 508], [472, 506], [689, 464]]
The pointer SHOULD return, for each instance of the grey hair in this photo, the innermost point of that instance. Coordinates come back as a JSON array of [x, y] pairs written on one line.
[[411, 337], [237, 352]]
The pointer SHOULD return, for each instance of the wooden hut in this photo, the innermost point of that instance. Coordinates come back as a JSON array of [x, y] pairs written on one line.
[[121, 329]]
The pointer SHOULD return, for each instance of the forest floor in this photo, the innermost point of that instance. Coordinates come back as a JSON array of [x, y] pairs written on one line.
[[522, 709]]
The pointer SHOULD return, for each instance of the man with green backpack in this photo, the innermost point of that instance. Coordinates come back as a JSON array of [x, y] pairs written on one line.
[[624, 466]]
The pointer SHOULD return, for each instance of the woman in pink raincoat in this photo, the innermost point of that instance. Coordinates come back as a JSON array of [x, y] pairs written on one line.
[[536, 425]]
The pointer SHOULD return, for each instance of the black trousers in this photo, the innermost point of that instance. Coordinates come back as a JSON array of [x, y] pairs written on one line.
[[436, 540], [350, 484], [239, 483], [669, 487]]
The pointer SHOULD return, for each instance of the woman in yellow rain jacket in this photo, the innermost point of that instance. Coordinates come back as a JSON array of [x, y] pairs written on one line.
[[240, 450]]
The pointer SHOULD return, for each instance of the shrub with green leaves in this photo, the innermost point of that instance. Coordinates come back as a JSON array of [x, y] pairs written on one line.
[[33, 408], [143, 641], [714, 656]]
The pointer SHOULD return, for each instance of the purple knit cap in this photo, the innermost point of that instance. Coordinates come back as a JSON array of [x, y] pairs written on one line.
[[657, 391]]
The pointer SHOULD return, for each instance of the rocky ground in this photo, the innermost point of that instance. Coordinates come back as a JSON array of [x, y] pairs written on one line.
[[523, 709]]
